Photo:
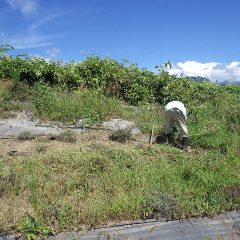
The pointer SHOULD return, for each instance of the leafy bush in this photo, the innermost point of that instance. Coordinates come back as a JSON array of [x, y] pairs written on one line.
[[123, 81]]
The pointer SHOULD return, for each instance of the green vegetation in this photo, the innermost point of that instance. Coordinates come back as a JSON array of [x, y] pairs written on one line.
[[72, 188], [101, 182], [30, 229], [123, 81], [121, 135], [25, 135], [67, 136]]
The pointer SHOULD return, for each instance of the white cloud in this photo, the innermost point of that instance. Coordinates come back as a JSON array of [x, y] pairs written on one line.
[[43, 21], [31, 34], [30, 37], [33, 41], [28, 40], [214, 71], [26, 7], [53, 52]]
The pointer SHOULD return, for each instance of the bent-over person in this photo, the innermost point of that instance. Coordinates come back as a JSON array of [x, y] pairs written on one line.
[[176, 115]]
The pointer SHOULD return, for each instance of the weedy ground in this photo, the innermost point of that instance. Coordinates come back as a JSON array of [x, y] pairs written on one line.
[[93, 180]]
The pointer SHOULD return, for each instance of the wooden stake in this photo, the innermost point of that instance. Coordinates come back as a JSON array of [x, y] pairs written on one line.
[[151, 137]]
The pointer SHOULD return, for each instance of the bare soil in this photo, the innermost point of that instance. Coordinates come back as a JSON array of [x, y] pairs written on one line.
[[13, 146]]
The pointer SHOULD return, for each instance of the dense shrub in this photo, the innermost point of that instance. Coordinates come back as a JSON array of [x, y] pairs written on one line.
[[120, 80]]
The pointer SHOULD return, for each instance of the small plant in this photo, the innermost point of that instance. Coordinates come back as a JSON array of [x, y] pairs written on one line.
[[68, 136], [5, 99], [121, 135], [41, 148], [232, 193], [25, 135], [43, 98], [163, 206], [31, 228], [52, 137]]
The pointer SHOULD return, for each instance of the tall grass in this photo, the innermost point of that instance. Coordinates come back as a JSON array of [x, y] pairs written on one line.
[[57, 104], [72, 188], [96, 184], [216, 124]]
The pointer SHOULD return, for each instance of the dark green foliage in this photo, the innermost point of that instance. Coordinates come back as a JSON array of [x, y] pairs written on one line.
[[120, 80]]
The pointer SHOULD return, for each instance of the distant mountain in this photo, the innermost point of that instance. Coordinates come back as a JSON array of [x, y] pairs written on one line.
[[222, 83], [229, 83], [199, 79]]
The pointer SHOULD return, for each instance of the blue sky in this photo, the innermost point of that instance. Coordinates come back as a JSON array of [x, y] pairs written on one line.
[[200, 37]]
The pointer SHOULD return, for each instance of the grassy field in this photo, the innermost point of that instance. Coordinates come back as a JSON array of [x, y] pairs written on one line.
[[103, 182], [94, 182]]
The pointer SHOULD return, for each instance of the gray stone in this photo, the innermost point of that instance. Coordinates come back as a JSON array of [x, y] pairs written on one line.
[[116, 124], [136, 131], [13, 127]]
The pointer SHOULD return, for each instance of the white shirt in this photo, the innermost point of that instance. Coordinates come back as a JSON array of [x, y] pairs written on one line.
[[176, 104]]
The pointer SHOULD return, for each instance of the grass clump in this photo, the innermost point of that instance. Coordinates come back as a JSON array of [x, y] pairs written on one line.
[[121, 135], [25, 135], [31, 228], [162, 206], [40, 148], [232, 193], [67, 136]]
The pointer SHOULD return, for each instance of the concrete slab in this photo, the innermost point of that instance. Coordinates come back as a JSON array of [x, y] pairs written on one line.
[[221, 227], [13, 127]]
